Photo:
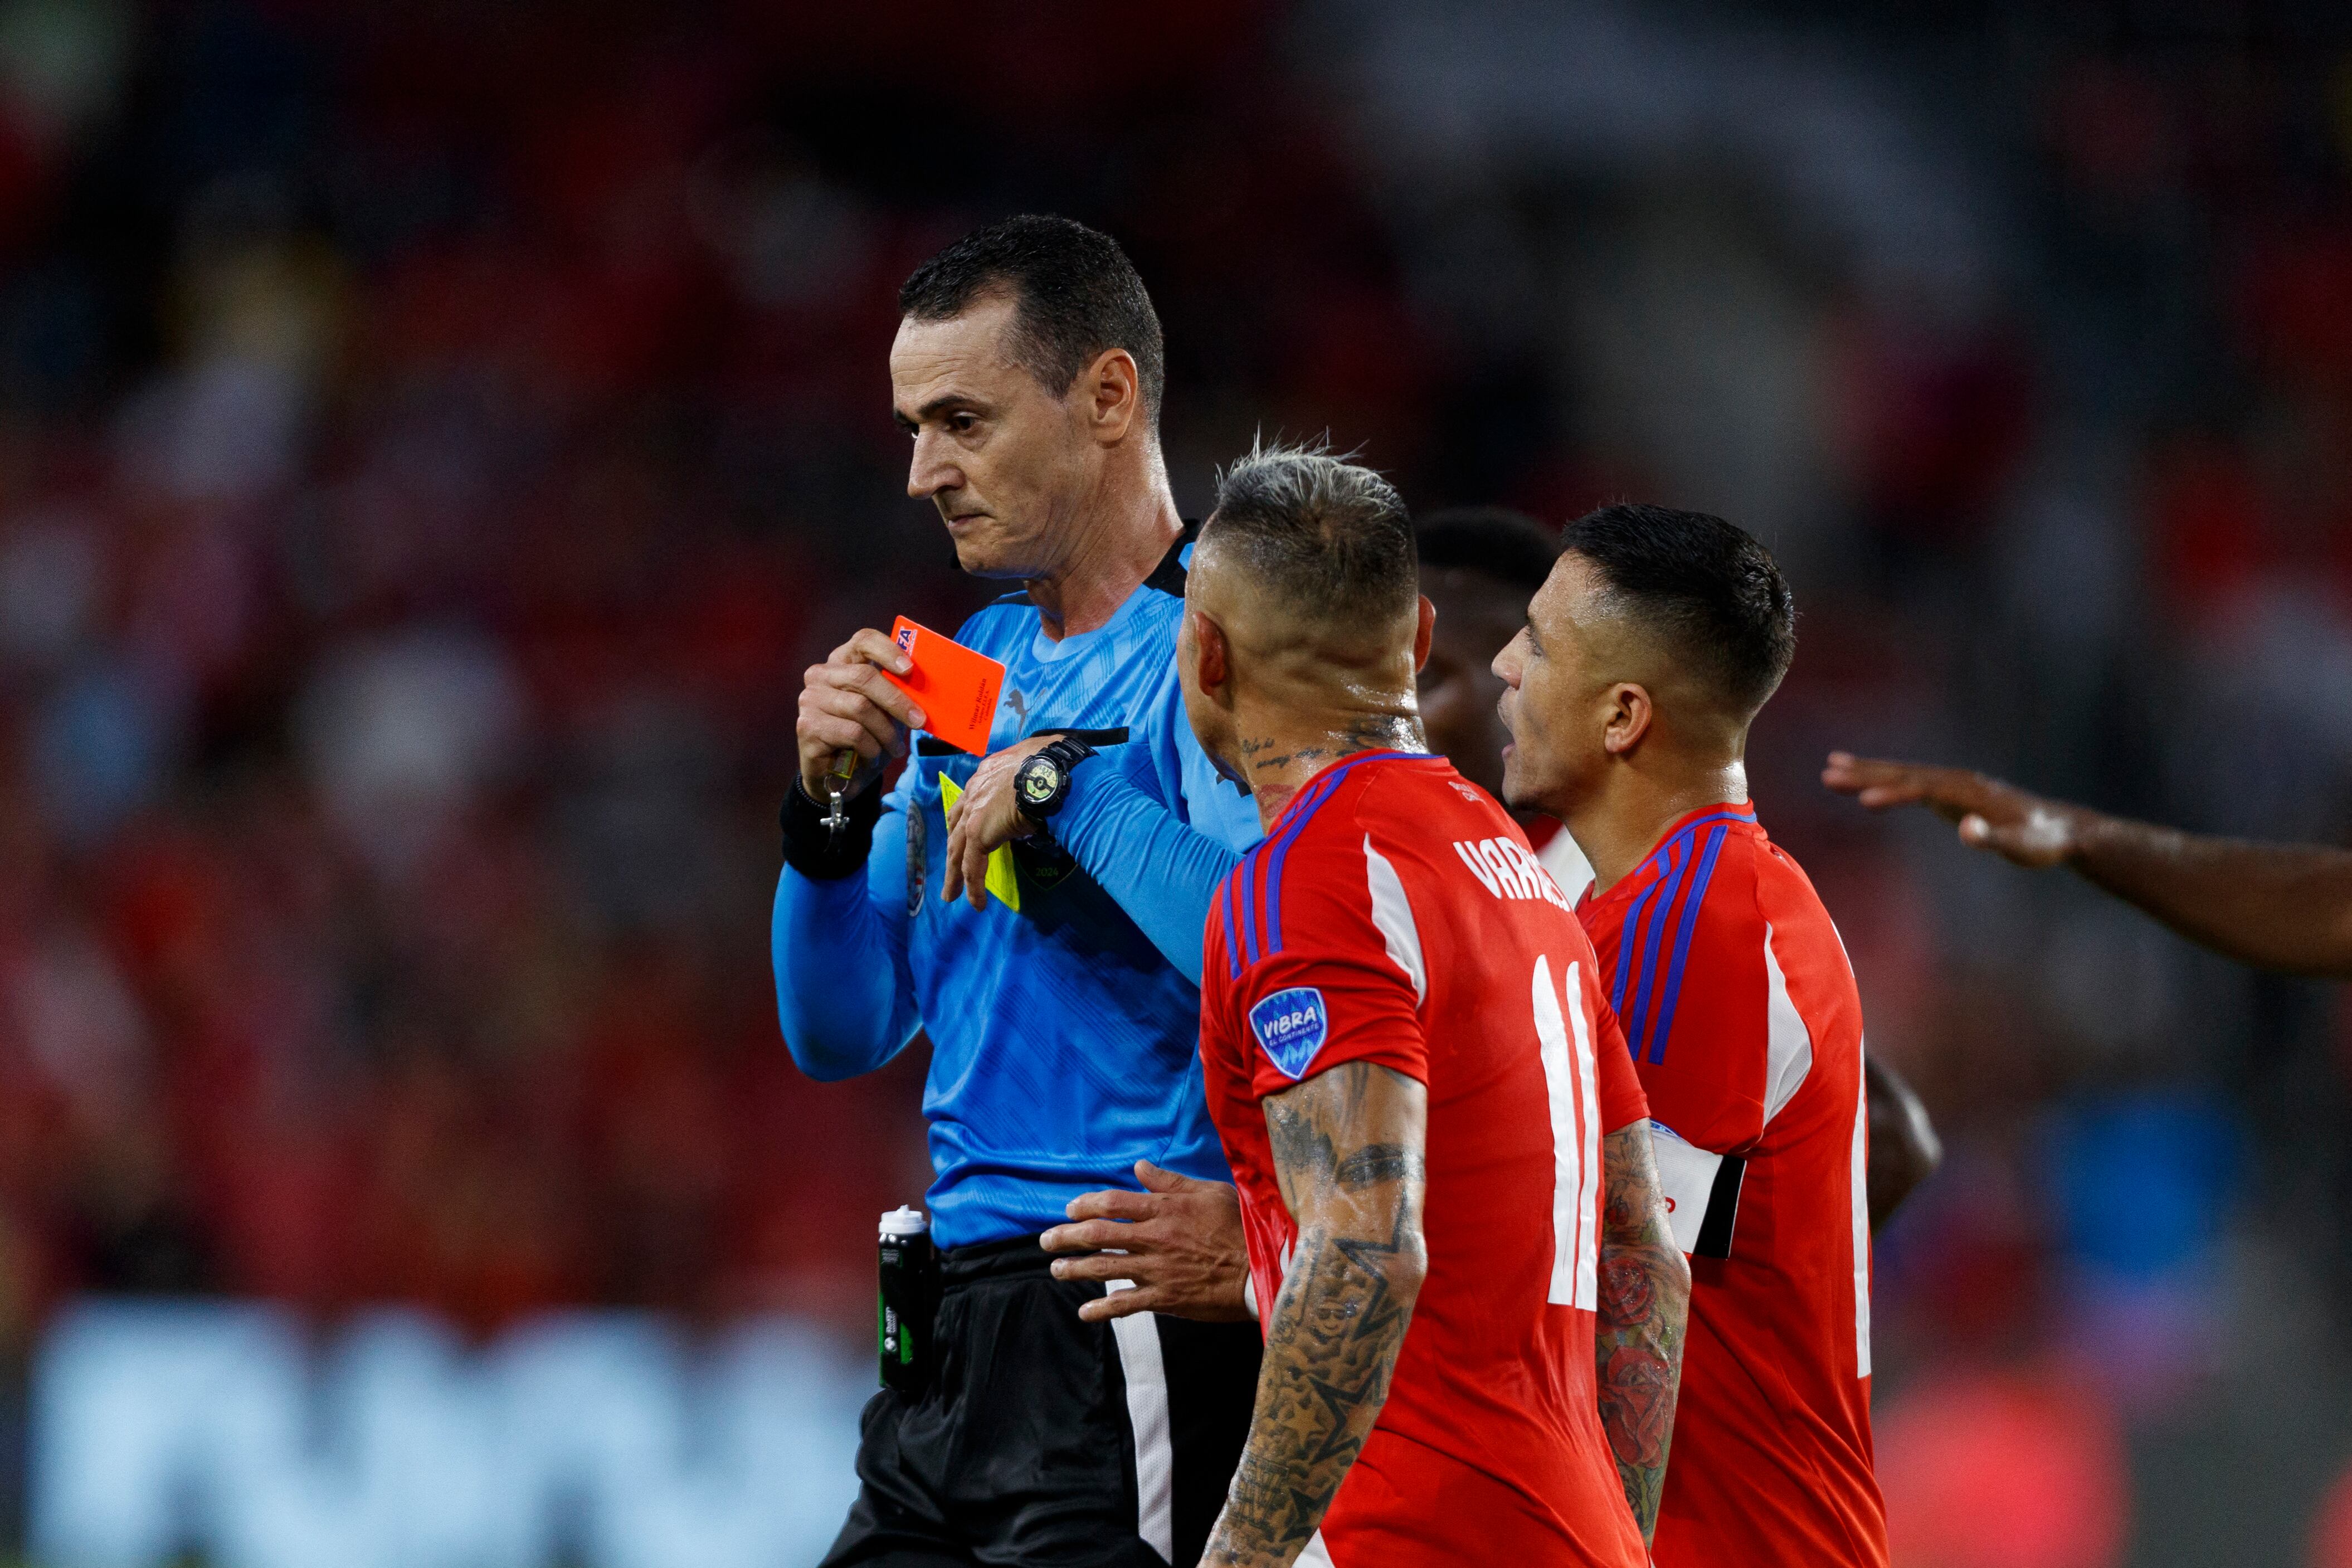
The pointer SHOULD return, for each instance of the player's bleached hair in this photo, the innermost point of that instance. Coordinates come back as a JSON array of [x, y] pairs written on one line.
[[1329, 534]]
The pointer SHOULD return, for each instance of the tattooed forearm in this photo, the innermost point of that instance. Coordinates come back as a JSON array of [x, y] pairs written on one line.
[[1380, 1163], [1348, 1150], [1645, 1308]]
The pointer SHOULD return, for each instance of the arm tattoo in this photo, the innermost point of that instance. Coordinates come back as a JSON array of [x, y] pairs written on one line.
[[1347, 1149], [1645, 1308]]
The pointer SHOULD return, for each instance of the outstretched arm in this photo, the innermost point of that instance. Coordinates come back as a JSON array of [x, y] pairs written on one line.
[[1903, 1148], [2276, 906], [1347, 1147], [1644, 1306]]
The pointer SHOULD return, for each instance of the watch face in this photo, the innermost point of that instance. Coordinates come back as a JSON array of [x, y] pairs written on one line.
[[1038, 779]]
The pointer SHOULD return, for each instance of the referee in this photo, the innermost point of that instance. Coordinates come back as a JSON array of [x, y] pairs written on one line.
[[1063, 1010]]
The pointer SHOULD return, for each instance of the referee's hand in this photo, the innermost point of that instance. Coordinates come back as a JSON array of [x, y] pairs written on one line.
[[1179, 1243], [846, 706]]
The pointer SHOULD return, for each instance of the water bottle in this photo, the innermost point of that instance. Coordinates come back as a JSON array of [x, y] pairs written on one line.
[[908, 1300]]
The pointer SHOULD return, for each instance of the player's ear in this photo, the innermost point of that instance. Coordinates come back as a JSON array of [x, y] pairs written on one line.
[[1629, 711], [1212, 668], [1422, 632], [1114, 392]]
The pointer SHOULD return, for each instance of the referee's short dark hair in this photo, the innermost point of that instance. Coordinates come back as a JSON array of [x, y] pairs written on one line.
[[1332, 537], [1075, 295], [1710, 588], [1495, 541]]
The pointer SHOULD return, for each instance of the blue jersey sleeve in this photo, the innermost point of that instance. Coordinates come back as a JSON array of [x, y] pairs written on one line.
[[1158, 831], [845, 994]]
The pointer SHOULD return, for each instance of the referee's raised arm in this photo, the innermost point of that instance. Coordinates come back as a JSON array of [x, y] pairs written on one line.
[[843, 997]]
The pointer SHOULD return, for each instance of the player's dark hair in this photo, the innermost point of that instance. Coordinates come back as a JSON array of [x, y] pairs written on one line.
[[1075, 295], [1710, 588], [1509, 546], [1333, 537]]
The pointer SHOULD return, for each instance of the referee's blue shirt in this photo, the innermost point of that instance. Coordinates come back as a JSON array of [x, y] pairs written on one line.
[[1064, 1036]]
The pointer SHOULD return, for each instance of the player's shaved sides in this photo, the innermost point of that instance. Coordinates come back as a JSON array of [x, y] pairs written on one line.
[[1706, 607], [1308, 553]]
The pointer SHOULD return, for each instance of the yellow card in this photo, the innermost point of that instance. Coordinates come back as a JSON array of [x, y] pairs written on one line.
[[1000, 879]]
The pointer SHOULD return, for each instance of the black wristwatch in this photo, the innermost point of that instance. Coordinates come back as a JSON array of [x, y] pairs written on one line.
[[1042, 783]]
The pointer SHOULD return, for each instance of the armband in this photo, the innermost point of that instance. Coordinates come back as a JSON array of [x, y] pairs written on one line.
[[815, 850]]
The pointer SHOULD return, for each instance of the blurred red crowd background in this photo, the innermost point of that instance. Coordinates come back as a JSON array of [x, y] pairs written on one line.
[[433, 439]]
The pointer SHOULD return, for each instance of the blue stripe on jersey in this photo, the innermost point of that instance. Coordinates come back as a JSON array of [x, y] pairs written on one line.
[[1279, 851], [1678, 861], [1301, 812], [1629, 939], [1637, 940], [1700, 880], [1225, 903], [1245, 876]]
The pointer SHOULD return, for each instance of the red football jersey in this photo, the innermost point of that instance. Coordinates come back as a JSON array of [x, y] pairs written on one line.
[[1394, 914], [1740, 1010]]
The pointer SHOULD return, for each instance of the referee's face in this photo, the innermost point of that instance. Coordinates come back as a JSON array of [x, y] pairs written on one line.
[[1009, 465]]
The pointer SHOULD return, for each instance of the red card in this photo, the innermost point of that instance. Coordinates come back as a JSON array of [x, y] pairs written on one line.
[[957, 687]]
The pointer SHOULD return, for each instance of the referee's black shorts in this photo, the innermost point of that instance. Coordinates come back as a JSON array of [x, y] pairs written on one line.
[[1043, 1440]]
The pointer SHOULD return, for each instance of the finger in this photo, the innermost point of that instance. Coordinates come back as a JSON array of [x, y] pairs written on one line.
[[1097, 1236], [1114, 1203], [975, 872], [1120, 1304], [822, 736], [964, 875], [1066, 1238], [858, 709], [1847, 772], [1160, 1181], [870, 647], [1878, 798], [867, 682], [951, 882], [1098, 1266]]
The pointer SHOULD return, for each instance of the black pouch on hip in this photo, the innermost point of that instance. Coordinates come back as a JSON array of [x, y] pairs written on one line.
[[908, 1302]]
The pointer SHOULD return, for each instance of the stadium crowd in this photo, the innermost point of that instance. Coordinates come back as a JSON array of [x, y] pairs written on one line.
[[431, 444]]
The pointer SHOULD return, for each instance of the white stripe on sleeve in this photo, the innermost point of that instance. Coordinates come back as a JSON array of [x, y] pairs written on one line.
[[1789, 1048], [1392, 913]]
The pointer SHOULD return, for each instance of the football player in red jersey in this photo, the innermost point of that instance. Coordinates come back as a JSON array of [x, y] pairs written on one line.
[[1631, 690], [1471, 1295], [1464, 1263], [1479, 565]]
